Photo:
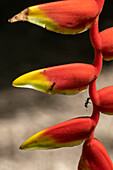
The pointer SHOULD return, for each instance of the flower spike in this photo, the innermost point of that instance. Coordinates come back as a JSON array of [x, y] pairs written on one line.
[[67, 17], [94, 156], [64, 79], [72, 17]]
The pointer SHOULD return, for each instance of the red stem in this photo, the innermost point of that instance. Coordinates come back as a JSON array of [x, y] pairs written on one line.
[[93, 93], [92, 87], [95, 118], [96, 42], [95, 36], [95, 114], [98, 61]]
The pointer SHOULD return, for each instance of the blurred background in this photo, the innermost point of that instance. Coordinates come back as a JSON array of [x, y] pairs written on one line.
[[24, 112]]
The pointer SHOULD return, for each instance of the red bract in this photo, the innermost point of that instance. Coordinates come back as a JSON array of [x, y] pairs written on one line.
[[107, 43], [66, 134], [94, 156], [64, 79], [67, 17], [105, 104], [69, 133]]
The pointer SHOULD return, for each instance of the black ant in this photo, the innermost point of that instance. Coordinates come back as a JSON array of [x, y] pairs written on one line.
[[87, 102]]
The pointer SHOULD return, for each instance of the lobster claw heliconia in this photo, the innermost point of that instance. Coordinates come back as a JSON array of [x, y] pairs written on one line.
[[94, 156], [64, 79], [66, 134], [67, 17], [107, 43]]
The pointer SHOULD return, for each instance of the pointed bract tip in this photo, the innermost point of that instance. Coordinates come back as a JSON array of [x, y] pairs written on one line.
[[20, 147], [22, 16], [14, 84]]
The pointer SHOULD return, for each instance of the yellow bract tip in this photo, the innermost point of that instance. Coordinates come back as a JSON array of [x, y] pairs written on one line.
[[34, 80]]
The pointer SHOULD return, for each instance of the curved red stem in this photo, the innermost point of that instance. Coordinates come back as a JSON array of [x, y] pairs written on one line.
[[92, 87], [98, 61], [96, 42], [95, 117], [93, 93], [95, 114], [95, 36]]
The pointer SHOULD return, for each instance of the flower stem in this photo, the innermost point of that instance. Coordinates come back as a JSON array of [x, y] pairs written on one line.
[[96, 42], [95, 36], [95, 114]]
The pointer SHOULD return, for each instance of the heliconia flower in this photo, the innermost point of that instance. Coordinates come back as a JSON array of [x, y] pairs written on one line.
[[107, 43], [67, 17], [66, 134], [64, 79], [94, 156]]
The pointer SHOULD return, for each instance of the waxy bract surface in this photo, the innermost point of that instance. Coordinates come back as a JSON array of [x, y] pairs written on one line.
[[64, 79], [67, 17], [94, 156], [106, 100], [107, 43], [66, 134]]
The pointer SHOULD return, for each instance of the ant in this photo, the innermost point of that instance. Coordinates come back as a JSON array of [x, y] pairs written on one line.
[[87, 102]]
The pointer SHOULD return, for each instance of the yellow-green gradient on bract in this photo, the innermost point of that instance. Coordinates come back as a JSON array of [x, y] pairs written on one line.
[[34, 80], [65, 134], [42, 141], [66, 17], [63, 79], [38, 17]]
